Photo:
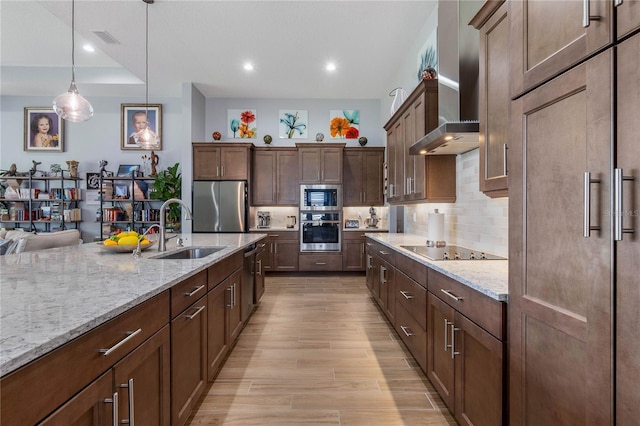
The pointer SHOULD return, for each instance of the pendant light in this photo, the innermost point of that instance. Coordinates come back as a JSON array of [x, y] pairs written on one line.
[[146, 138], [71, 106]]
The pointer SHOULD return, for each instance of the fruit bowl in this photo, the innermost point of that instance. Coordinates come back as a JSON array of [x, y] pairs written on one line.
[[125, 249]]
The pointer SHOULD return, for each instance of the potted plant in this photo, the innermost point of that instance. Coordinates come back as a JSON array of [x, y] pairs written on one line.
[[168, 184]]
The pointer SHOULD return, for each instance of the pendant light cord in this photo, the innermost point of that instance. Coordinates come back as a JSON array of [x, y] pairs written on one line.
[[73, 41], [146, 61]]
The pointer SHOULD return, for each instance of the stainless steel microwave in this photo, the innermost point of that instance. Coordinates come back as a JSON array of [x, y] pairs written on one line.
[[320, 197]]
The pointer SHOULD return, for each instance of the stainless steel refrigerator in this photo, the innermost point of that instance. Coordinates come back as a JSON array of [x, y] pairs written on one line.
[[220, 206]]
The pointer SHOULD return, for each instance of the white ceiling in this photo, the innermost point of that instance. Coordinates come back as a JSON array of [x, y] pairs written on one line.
[[207, 43]]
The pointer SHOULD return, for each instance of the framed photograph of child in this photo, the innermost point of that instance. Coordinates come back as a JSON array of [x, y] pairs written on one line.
[[134, 118], [43, 130]]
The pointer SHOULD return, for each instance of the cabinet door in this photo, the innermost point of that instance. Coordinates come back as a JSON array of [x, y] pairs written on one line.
[[440, 362], [399, 189], [560, 288], [286, 255], [419, 129], [142, 381], [93, 406], [409, 128], [259, 273], [550, 37], [371, 272], [372, 178], [263, 179], [494, 103], [235, 305], [287, 186], [234, 163], [392, 171], [309, 165], [628, 17], [353, 254], [331, 165], [628, 249], [217, 327], [479, 374], [387, 289], [352, 194], [206, 162], [188, 360]]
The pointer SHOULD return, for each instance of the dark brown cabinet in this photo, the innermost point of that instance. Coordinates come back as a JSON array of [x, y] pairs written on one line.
[[281, 251], [234, 304], [417, 178], [320, 164], [353, 251], [219, 161], [261, 255], [275, 177], [363, 177], [493, 25], [551, 37], [217, 332]]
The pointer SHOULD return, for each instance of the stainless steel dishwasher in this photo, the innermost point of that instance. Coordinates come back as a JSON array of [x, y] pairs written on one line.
[[248, 284]]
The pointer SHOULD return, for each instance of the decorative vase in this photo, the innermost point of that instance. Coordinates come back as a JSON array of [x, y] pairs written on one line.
[[267, 139], [216, 135], [319, 137], [399, 96], [362, 140]]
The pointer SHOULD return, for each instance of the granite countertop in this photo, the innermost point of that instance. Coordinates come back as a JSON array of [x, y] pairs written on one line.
[[490, 277], [365, 229], [49, 297], [274, 228]]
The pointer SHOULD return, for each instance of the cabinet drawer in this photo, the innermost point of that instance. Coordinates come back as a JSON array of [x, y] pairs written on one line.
[[353, 235], [414, 336], [416, 270], [386, 253], [187, 292], [412, 296], [221, 270], [484, 311], [320, 262], [38, 388]]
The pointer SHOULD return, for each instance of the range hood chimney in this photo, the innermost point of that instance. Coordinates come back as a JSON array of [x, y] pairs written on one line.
[[458, 63]]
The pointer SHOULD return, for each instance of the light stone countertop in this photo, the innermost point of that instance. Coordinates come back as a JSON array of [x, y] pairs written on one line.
[[50, 297], [490, 277]]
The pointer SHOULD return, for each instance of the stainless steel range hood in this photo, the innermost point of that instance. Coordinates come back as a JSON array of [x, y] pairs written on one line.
[[458, 63]]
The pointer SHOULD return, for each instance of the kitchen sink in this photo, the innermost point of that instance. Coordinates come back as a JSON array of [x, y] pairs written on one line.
[[189, 253]]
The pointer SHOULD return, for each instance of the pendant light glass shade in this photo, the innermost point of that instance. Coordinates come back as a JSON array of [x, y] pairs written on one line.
[[71, 106], [146, 138]]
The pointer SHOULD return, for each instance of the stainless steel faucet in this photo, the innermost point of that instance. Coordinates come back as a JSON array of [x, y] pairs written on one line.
[[137, 251], [162, 244]]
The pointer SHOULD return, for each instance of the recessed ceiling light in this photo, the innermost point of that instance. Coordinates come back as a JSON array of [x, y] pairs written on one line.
[[88, 48], [331, 66], [248, 66]]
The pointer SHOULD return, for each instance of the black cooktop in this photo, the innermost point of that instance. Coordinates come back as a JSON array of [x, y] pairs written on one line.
[[452, 253]]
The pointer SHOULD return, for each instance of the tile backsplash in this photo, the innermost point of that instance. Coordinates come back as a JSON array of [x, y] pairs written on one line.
[[474, 220]]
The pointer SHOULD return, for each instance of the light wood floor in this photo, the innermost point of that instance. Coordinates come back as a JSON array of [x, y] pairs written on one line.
[[317, 351]]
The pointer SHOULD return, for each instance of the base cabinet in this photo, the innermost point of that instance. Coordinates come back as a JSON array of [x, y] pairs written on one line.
[[281, 251], [353, 251]]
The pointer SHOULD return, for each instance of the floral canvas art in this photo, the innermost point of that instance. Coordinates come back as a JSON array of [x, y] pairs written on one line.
[[293, 124], [344, 123], [242, 123]]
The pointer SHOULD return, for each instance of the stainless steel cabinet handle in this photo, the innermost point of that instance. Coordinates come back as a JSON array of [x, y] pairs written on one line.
[[195, 314], [362, 245], [408, 333], [259, 267], [195, 290], [222, 170], [230, 289], [453, 340], [130, 421], [217, 171], [383, 275], [406, 295], [587, 205], [504, 159], [617, 3], [446, 334], [114, 409], [383, 252], [586, 14], [130, 335], [234, 293], [451, 295], [321, 263], [618, 179], [369, 262]]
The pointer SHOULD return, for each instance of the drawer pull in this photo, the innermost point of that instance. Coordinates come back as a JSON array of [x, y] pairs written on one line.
[[407, 331], [130, 335], [195, 290], [453, 340], [382, 252], [451, 295], [195, 314], [114, 410], [406, 295], [321, 263], [130, 420], [446, 337]]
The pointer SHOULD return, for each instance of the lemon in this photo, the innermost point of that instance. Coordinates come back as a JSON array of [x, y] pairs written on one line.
[[144, 242], [128, 241], [110, 243], [128, 234]]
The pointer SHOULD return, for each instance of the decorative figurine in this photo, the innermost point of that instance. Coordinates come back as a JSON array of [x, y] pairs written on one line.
[[154, 163], [362, 140], [33, 168], [319, 137], [429, 73], [103, 164], [267, 139], [216, 135]]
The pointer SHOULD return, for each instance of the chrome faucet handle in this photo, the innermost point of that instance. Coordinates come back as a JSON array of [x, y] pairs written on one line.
[[179, 242]]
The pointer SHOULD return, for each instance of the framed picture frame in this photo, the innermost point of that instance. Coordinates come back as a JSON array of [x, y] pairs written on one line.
[[43, 130], [132, 119], [125, 170], [121, 192]]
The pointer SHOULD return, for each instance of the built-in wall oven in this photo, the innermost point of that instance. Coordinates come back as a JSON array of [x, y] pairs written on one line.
[[320, 231]]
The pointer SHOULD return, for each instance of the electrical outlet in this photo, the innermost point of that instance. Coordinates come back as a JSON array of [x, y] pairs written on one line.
[[415, 217]]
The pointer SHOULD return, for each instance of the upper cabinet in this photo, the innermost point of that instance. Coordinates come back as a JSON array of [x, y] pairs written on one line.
[[363, 177], [221, 161], [549, 37], [274, 177], [417, 178], [320, 164], [493, 25], [627, 17]]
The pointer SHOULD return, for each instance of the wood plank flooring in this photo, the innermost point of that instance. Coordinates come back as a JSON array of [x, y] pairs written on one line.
[[318, 351]]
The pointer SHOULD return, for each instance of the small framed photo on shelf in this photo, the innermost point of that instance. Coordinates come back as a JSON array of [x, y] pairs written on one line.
[[126, 170], [43, 130], [121, 192]]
